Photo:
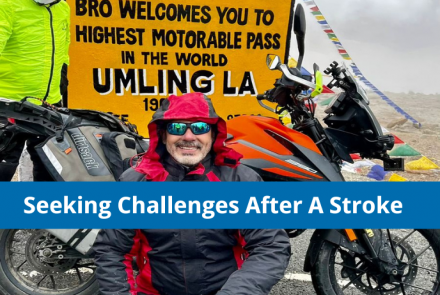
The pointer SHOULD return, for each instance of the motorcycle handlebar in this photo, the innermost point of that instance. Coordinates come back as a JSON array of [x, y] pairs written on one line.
[[261, 96]]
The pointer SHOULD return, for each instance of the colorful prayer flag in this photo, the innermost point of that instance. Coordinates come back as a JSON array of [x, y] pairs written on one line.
[[328, 30], [396, 177], [377, 172], [397, 140]]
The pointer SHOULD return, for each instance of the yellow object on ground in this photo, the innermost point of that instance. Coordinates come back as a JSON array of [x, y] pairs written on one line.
[[421, 164], [395, 177]]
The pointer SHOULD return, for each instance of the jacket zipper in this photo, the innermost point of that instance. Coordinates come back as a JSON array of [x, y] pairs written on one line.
[[53, 54], [182, 240]]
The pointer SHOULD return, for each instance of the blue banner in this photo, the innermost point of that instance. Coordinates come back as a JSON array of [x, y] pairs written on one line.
[[220, 205]]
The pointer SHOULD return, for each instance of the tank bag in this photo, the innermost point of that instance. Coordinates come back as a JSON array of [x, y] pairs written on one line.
[[88, 153]]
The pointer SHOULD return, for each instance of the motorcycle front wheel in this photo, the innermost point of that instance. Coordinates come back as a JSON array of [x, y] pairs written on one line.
[[339, 271], [34, 262]]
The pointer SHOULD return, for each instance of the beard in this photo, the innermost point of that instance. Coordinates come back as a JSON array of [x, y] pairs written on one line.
[[188, 159]]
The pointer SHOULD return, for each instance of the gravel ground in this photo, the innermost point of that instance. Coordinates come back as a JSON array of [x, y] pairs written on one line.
[[295, 281]]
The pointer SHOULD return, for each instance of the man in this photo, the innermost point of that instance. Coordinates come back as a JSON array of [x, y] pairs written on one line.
[[187, 144], [174, 155], [34, 43]]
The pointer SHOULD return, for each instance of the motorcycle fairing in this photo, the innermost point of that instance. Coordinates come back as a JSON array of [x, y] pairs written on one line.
[[352, 128], [341, 141], [253, 129], [277, 152], [329, 170], [274, 166]]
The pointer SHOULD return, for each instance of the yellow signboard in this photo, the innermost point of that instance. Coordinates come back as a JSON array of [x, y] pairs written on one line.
[[127, 56]]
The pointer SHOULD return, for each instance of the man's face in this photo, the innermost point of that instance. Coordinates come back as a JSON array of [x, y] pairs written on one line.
[[188, 149]]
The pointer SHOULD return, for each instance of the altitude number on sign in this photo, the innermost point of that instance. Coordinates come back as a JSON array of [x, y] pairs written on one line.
[[152, 104]]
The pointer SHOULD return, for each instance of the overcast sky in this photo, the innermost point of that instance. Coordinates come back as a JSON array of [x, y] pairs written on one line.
[[395, 43]]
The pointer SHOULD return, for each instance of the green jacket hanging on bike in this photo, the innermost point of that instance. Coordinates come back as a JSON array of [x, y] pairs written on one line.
[[34, 43]]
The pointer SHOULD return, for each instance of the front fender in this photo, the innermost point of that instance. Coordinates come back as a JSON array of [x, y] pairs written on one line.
[[333, 236], [316, 242]]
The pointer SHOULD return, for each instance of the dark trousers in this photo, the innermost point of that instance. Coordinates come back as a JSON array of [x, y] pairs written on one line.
[[9, 160]]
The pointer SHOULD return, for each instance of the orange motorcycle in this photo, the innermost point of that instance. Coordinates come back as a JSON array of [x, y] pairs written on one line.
[[347, 261]]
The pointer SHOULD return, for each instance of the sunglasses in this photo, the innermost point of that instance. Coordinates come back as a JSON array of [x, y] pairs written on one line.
[[197, 128]]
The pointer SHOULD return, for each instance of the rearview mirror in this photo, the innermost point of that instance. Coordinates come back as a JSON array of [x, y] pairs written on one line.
[[299, 28], [273, 61], [299, 22]]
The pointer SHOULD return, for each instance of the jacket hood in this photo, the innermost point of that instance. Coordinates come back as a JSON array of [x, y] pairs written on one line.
[[192, 107]]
